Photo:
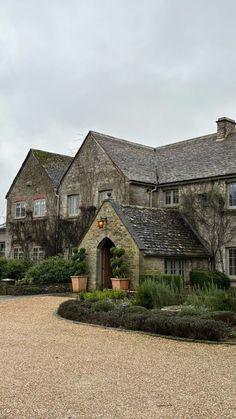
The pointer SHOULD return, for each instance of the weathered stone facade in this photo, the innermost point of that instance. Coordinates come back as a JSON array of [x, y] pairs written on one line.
[[135, 175], [31, 184], [119, 235], [151, 265], [92, 171], [138, 263]]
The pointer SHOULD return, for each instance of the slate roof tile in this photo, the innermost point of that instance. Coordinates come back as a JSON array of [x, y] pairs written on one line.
[[54, 164], [160, 232], [197, 158]]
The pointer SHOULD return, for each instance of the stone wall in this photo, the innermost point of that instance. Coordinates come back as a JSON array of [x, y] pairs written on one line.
[[201, 187], [141, 195], [119, 235], [92, 171], [150, 265], [31, 183]]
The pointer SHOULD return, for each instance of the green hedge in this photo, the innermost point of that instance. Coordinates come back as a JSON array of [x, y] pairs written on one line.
[[203, 278], [13, 268], [52, 270], [147, 321]]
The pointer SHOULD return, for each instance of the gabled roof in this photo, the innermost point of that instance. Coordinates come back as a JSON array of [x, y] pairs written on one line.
[[55, 165], [136, 161], [196, 158], [160, 232]]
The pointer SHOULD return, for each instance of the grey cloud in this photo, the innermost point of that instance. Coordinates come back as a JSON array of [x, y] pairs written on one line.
[[154, 71]]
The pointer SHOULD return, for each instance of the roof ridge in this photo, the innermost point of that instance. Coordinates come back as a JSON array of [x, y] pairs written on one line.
[[122, 140], [51, 152], [143, 207], [185, 141]]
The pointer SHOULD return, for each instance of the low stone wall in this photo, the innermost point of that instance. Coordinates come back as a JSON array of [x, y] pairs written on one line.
[[7, 289]]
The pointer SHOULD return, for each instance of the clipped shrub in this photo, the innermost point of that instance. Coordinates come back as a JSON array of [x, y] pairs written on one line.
[[148, 321], [202, 279], [69, 310], [103, 295], [55, 269], [224, 316], [153, 294], [103, 305], [118, 264], [134, 321], [79, 262], [15, 268], [3, 265], [136, 309]]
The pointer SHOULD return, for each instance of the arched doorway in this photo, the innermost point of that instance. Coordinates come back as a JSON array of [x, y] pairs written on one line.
[[104, 263]]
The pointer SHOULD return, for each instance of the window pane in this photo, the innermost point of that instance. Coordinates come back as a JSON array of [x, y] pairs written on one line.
[[37, 254], [168, 197], [232, 195], [232, 261], [172, 197], [20, 209], [174, 267], [40, 207], [175, 197], [73, 204], [2, 248], [17, 253]]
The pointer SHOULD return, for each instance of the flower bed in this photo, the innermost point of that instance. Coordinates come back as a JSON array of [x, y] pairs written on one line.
[[114, 313]]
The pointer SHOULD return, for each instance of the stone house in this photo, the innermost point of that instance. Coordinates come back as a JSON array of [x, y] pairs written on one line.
[[32, 205], [3, 240], [153, 177], [154, 239], [131, 174]]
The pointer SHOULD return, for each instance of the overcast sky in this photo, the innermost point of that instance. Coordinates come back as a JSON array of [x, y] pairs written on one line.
[[151, 71]]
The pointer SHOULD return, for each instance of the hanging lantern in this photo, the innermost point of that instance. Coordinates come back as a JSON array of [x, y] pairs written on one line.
[[102, 222]]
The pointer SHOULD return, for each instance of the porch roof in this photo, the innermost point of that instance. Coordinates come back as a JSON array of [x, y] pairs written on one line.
[[160, 232]]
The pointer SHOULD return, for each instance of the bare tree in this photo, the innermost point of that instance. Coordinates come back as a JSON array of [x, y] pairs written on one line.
[[205, 208], [51, 233]]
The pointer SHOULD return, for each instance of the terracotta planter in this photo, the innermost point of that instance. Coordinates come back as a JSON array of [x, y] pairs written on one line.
[[120, 283], [79, 283]]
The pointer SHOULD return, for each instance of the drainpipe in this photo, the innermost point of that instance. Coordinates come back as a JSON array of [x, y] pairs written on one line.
[[57, 195]]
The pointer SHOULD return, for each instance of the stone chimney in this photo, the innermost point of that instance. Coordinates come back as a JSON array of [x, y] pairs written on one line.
[[224, 127]]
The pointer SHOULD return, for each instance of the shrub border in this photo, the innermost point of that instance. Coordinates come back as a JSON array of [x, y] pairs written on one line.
[[120, 329]]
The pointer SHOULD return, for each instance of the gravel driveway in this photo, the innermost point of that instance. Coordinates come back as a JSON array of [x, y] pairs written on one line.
[[52, 368]]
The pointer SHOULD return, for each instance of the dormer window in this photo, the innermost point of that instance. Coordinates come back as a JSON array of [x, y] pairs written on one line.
[[171, 197], [232, 195]]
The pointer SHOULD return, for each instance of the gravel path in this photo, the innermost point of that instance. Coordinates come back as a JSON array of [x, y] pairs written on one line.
[[51, 368]]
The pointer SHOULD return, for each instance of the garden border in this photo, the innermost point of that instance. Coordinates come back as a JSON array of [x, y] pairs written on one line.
[[119, 329]]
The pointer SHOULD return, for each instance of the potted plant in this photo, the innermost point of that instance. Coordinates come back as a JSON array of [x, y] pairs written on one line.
[[80, 278], [119, 269]]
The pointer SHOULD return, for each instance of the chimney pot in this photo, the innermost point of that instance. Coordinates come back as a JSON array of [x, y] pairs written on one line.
[[224, 127]]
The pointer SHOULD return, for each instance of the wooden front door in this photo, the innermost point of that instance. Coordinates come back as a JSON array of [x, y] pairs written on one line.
[[106, 272]]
